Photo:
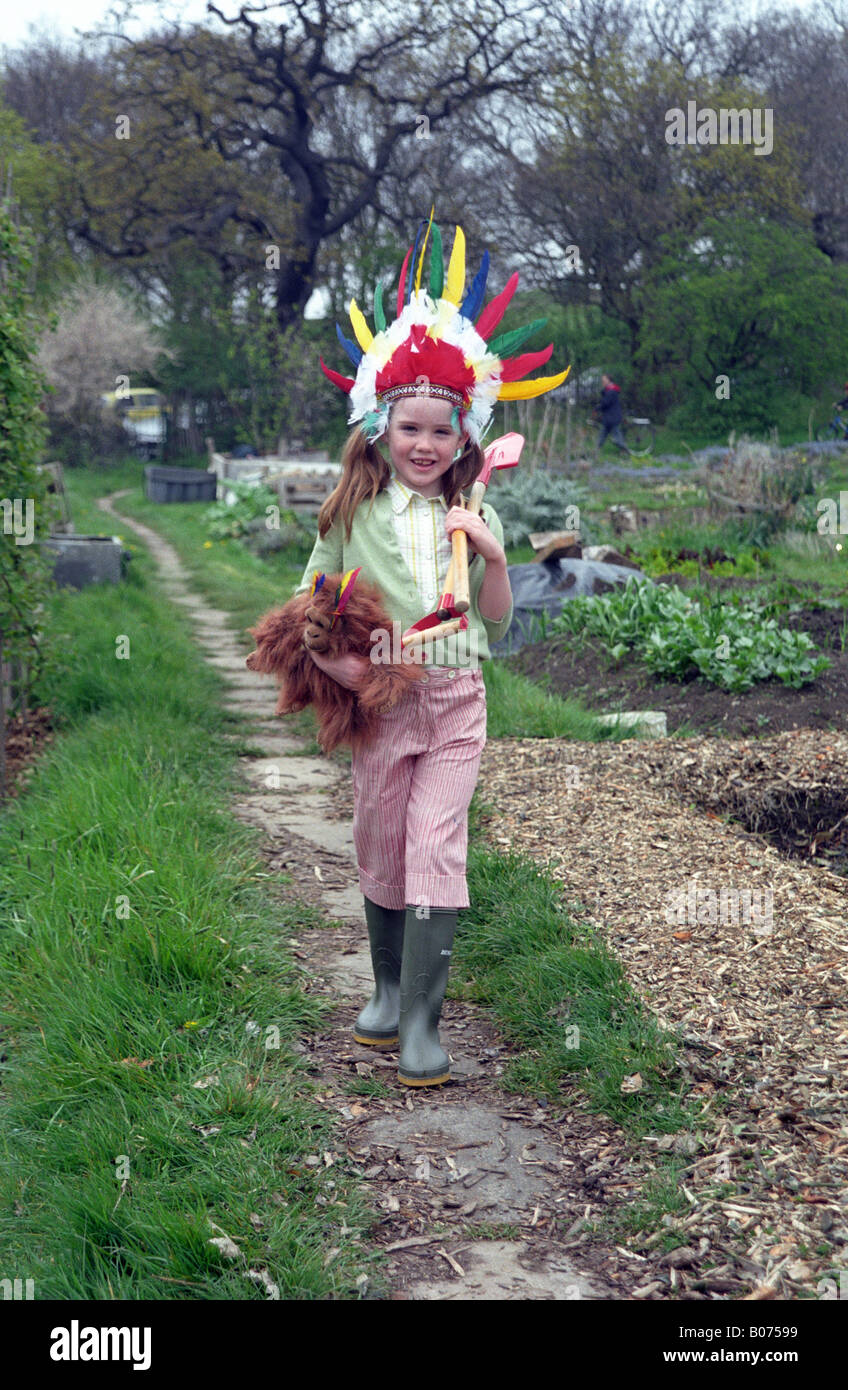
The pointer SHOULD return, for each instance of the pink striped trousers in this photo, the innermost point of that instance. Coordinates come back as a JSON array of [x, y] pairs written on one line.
[[412, 788]]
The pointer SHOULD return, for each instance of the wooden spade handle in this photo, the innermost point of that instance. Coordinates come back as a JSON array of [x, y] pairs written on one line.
[[461, 589], [426, 634]]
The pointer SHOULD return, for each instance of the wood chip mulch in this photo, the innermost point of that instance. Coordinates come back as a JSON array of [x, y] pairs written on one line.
[[755, 985]]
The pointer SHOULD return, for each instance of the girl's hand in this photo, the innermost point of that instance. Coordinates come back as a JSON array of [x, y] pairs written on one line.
[[348, 670], [480, 538]]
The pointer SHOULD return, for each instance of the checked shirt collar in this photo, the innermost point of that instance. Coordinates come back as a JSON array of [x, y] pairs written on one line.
[[401, 496]]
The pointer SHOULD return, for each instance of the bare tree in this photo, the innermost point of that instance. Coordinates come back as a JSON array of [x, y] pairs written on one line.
[[252, 136], [49, 83]]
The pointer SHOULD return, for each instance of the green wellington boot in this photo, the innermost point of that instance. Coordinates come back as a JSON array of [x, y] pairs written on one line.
[[377, 1025], [427, 946]]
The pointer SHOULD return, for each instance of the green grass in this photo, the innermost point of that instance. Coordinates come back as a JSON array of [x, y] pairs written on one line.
[[139, 941], [560, 996], [520, 708], [228, 574], [660, 1197]]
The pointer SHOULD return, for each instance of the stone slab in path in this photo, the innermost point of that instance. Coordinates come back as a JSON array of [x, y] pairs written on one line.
[[346, 905], [495, 1158], [495, 1270], [288, 774], [251, 702], [240, 679], [305, 817]]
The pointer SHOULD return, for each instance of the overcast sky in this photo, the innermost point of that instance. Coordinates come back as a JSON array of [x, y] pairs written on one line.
[[67, 15]]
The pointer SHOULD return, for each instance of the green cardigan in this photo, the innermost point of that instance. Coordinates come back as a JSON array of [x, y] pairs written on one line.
[[374, 545]]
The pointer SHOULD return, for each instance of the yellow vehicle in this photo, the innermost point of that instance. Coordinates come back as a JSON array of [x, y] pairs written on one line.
[[143, 413]]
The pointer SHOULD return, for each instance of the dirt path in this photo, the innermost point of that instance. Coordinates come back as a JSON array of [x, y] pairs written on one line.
[[483, 1195]]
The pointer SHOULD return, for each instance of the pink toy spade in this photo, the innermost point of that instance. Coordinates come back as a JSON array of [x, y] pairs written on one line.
[[501, 453]]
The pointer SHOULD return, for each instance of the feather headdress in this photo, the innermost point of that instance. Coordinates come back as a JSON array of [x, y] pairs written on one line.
[[435, 347]]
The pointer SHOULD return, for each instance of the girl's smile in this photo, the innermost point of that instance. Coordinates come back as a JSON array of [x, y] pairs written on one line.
[[422, 442]]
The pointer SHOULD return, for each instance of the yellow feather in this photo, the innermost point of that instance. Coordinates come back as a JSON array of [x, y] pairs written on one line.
[[363, 333], [523, 390], [455, 283], [423, 249]]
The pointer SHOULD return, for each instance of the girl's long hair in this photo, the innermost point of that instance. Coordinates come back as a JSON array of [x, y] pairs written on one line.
[[365, 473]]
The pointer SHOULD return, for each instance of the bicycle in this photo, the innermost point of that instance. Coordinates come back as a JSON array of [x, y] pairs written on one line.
[[639, 435], [837, 429], [638, 432]]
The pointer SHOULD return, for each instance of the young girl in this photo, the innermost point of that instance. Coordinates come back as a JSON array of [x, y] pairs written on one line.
[[427, 384]]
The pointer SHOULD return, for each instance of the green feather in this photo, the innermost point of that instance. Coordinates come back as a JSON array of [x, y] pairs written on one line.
[[507, 343], [437, 265], [379, 316]]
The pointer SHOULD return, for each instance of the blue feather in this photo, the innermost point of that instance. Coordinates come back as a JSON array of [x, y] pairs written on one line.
[[353, 350], [473, 301]]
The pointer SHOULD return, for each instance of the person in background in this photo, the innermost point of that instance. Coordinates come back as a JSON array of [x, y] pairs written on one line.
[[609, 408]]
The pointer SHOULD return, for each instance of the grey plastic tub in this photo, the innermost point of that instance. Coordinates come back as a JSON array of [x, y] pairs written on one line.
[[163, 484]]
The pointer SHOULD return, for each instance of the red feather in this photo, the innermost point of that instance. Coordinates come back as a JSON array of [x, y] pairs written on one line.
[[345, 382], [515, 367], [494, 312], [402, 285], [433, 619]]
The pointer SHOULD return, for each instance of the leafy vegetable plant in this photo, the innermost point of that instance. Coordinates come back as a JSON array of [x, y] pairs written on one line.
[[679, 637]]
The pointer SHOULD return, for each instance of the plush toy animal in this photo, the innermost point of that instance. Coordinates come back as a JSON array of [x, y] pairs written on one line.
[[339, 613]]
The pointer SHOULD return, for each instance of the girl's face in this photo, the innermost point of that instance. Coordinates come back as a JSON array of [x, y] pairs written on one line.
[[422, 442]]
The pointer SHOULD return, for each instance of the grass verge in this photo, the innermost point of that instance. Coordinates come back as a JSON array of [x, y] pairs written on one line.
[[519, 708], [561, 999], [151, 1098]]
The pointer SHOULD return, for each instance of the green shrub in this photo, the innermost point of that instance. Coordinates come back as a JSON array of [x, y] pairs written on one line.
[[239, 518], [528, 502]]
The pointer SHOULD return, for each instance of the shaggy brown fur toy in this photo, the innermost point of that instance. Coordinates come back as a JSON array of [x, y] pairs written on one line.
[[344, 716]]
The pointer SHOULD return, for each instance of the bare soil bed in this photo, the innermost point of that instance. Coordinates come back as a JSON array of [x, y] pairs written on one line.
[[770, 707]]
